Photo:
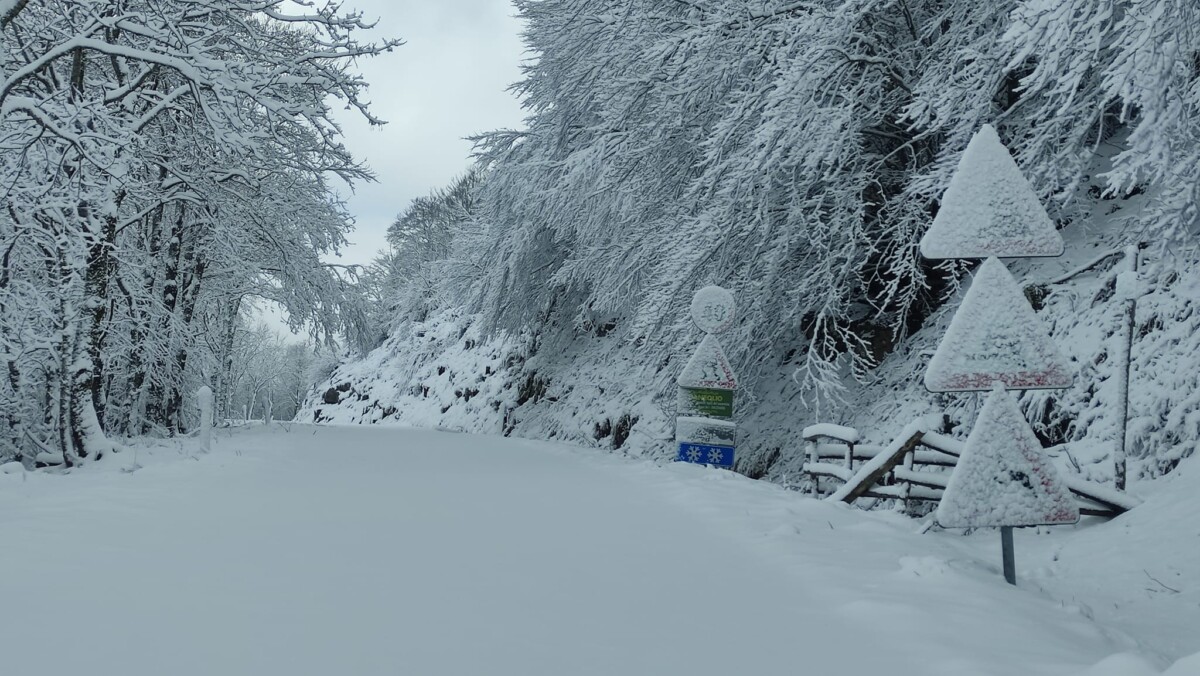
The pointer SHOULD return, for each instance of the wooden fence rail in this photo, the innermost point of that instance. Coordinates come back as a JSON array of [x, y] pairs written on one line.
[[913, 467]]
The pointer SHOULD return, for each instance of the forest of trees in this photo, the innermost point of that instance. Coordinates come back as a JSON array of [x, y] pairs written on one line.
[[164, 163], [794, 152]]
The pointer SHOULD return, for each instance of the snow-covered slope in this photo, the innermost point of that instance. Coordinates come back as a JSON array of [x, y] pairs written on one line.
[[376, 550], [1139, 573], [593, 386], [441, 374]]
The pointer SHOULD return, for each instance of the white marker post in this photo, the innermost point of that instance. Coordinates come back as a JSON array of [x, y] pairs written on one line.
[[704, 429], [204, 397]]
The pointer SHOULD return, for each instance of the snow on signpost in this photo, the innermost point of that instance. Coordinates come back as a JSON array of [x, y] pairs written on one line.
[[1002, 477], [713, 309], [989, 209], [709, 367], [995, 337], [996, 340], [706, 440], [704, 430]]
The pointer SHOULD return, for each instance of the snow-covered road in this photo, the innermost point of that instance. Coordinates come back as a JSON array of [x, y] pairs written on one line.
[[368, 550]]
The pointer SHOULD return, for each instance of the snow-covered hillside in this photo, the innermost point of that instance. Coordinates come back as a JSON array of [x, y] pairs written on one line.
[[363, 550], [590, 385]]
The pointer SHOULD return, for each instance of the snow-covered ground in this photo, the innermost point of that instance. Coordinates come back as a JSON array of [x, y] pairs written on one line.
[[379, 550]]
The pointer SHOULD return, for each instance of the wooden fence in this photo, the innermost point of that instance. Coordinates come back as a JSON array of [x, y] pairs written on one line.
[[915, 466]]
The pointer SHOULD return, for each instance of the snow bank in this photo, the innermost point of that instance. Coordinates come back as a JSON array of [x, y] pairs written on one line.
[[442, 374], [1127, 664], [1138, 573]]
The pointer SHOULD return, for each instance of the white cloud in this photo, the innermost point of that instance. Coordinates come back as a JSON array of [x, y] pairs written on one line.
[[447, 82]]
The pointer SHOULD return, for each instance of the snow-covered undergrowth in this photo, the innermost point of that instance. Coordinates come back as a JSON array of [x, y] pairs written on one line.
[[572, 386], [440, 373]]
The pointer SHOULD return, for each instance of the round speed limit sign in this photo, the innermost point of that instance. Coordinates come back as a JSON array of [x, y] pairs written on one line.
[[713, 309]]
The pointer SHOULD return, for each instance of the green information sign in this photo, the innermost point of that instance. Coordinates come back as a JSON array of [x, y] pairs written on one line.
[[707, 402]]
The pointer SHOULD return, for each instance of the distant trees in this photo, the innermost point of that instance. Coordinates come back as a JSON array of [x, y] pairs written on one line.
[[270, 378], [409, 280], [161, 162]]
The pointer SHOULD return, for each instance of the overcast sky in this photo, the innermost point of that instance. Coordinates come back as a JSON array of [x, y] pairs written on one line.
[[447, 82]]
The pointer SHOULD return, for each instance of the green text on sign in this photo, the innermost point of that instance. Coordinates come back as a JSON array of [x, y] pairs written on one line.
[[707, 402]]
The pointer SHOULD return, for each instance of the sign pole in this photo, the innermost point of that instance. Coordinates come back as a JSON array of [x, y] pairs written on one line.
[[1006, 551]]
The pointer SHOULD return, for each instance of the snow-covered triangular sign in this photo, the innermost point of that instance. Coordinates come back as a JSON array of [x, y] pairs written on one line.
[[708, 367], [995, 337], [989, 209], [1003, 478]]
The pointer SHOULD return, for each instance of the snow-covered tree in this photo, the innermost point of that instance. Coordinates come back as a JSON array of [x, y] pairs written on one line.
[[161, 160], [409, 280], [795, 152], [676, 145]]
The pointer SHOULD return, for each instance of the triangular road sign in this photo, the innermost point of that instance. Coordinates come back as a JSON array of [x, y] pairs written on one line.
[[995, 337], [989, 209], [708, 367], [1003, 477]]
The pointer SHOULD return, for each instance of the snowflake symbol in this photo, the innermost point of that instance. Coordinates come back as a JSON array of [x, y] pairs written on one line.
[[693, 455], [715, 456]]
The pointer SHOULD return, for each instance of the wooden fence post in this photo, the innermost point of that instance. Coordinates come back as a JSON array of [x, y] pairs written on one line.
[[813, 458]]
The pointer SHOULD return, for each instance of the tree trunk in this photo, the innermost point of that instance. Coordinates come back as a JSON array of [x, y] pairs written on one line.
[[87, 422], [139, 359], [188, 297], [12, 444], [160, 408], [225, 358]]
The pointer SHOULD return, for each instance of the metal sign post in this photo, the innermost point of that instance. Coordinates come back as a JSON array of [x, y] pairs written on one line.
[[1006, 552]]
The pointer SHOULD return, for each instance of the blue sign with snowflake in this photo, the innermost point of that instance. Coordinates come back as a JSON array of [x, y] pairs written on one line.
[[705, 454]]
